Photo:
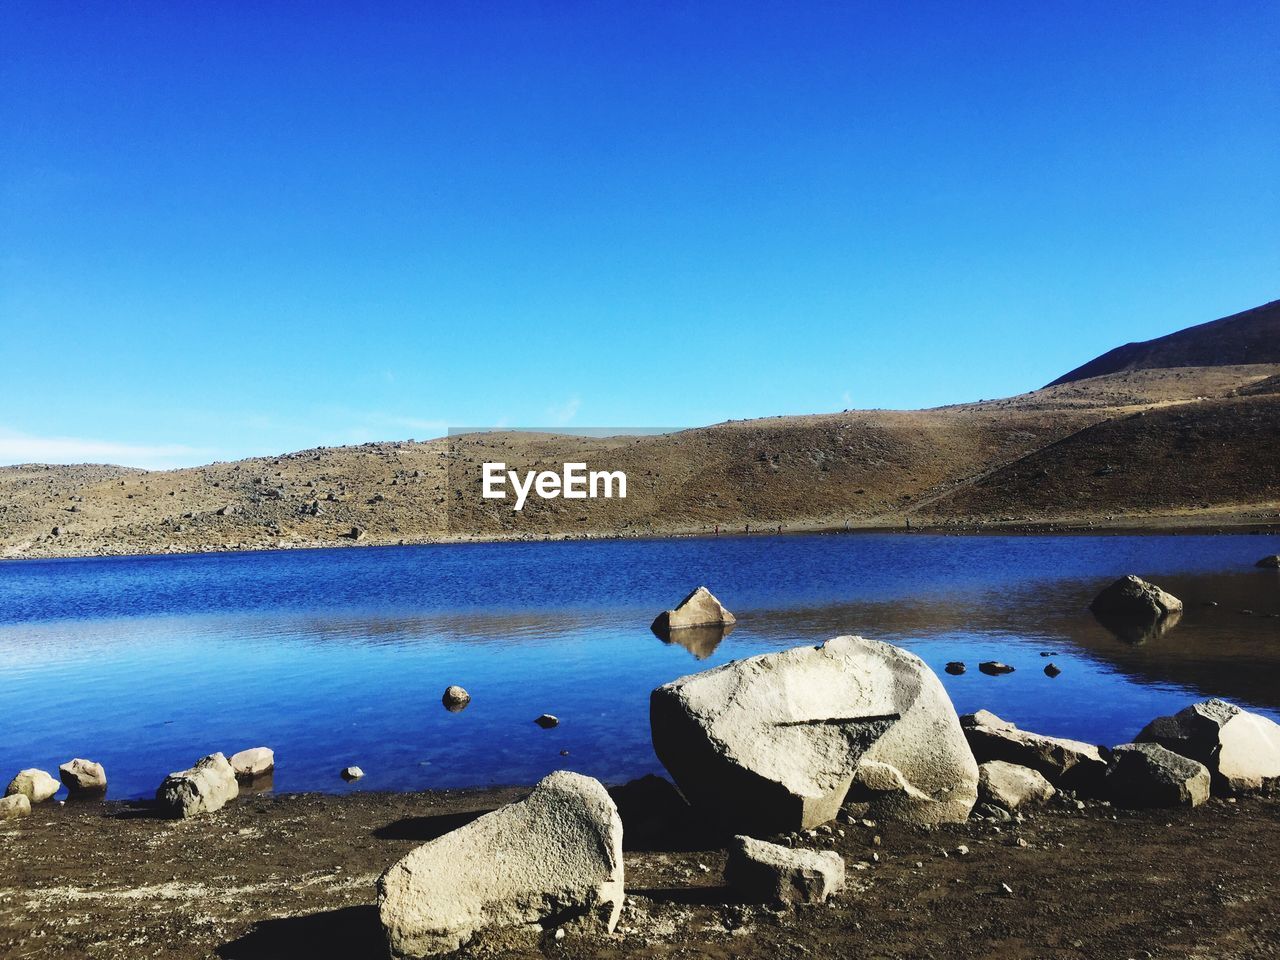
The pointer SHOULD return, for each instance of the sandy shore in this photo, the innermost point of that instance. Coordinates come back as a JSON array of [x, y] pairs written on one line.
[[294, 876]]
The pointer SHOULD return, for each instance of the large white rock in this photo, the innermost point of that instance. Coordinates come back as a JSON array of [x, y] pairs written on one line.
[[698, 609], [36, 785], [762, 872], [777, 741], [555, 856], [254, 762], [1010, 785], [204, 788], [1148, 775], [1241, 749], [1070, 764], [14, 805], [83, 777]]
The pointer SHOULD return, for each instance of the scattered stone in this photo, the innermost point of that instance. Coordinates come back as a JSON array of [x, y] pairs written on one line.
[[698, 609], [994, 668], [1241, 749], [1148, 775], [1051, 670], [14, 805], [1271, 562], [962, 850], [1006, 890], [547, 721], [1064, 763], [36, 785], [83, 777], [204, 788], [775, 742], [254, 762], [1136, 610], [555, 857], [352, 773], [455, 698], [1009, 785], [955, 668], [762, 872]]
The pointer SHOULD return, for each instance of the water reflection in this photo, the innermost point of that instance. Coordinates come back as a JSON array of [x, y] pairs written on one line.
[[700, 641]]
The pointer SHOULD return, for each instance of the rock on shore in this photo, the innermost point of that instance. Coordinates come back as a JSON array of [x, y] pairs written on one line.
[[14, 805], [203, 788], [1148, 775], [555, 856], [83, 777], [1009, 786], [36, 785], [1070, 764], [1241, 749], [776, 742], [761, 872]]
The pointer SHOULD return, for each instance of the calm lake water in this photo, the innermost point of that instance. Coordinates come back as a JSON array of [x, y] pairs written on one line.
[[337, 657]]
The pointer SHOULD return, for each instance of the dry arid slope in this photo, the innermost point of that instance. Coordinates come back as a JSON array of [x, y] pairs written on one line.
[[1140, 444]]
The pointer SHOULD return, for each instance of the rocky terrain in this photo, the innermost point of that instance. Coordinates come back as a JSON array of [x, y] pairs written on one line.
[[1178, 432]]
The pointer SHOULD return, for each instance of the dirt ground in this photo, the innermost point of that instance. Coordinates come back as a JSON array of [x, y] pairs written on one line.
[[293, 876]]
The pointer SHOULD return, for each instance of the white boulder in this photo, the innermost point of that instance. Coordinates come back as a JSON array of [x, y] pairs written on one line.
[[203, 788], [1241, 749], [698, 609], [762, 872], [779, 741], [83, 777], [36, 785], [1009, 785], [253, 763], [555, 856], [14, 805]]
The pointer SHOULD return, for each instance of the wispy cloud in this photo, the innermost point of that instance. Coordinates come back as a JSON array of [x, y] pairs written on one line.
[[17, 447], [563, 414]]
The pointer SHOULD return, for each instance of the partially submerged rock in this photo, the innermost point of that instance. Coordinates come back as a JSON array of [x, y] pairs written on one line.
[[1010, 785], [955, 668], [14, 805], [204, 788], [1241, 749], [253, 763], [994, 668], [760, 872], [547, 721], [698, 609], [553, 857], [455, 698], [1270, 562], [351, 773], [83, 777], [36, 785], [1069, 764], [1136, 610], [1148, 775], [776, 742]]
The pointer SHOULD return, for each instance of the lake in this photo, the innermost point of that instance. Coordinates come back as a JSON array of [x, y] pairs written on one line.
[[338, 657]]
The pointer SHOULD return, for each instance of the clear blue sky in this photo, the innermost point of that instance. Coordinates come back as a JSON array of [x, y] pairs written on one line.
[[235, 229]]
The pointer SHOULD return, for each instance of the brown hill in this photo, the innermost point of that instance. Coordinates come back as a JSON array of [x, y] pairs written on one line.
[[1189, 445], [1250, 337]]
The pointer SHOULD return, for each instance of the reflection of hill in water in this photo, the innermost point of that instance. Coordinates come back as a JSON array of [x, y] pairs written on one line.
[[1216, 650]]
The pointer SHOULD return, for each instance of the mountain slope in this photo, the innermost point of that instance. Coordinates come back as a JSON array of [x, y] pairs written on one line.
[[1250, 337]]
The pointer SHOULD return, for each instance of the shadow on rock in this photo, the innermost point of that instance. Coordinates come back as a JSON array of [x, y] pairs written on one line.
[[347, 932], [423, 829]]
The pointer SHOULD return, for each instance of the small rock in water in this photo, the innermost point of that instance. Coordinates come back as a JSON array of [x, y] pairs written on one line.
[[1048, 653], [253, 763], [455, 698], [1051, 670], [955, 668], [994, 668], [352, 773], [564, 753], [1209, 603], [547, 721], [1272, 561]]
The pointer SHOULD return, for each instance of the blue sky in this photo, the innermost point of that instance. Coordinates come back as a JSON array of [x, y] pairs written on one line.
[[237, 229]]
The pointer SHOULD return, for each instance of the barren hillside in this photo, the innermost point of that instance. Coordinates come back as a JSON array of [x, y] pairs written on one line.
[[1182, 445]]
